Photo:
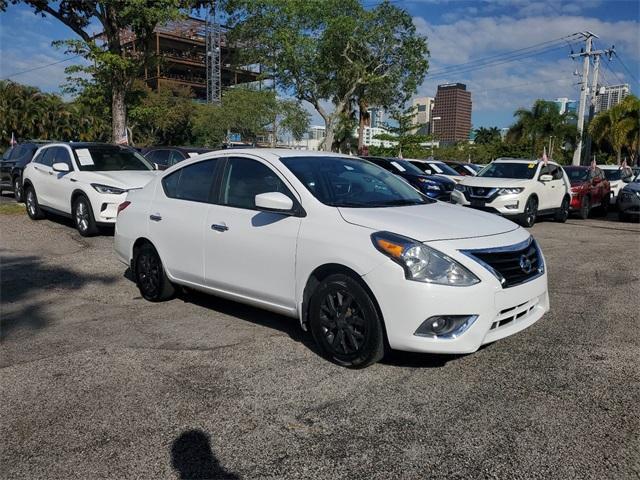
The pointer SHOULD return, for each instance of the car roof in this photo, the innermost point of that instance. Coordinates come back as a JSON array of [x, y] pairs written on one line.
[[609, 167], [75, 145]]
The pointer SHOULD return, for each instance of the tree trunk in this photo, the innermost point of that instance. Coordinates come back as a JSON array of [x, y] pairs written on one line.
[[365, 121], [328, 126], [619, 155], [118, 115]]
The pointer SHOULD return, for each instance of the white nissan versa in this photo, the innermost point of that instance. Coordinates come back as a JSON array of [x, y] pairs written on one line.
[[354, 252]]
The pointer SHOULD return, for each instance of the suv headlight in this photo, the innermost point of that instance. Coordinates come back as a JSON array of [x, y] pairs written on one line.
[[422, 263], [509, 191], [430, 184], [107, 189], [460, 188]]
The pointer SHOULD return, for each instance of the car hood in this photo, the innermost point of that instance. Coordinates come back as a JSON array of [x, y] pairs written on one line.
[[431, 222], [632, 187], [126, 179], [493, 182]]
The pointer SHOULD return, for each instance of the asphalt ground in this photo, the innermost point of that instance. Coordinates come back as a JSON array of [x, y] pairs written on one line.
[[98, 383]]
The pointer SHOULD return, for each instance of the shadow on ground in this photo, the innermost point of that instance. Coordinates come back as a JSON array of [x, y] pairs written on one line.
[[24, 279], [193, 458]]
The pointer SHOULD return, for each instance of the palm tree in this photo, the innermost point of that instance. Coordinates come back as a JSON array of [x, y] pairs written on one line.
[[486, 136], [619, 127]]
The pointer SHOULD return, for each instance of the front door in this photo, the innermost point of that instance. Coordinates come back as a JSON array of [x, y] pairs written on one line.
[[248, 252], [62, 183]]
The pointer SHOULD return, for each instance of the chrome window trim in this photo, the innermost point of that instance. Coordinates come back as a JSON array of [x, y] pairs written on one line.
[[509, 248]]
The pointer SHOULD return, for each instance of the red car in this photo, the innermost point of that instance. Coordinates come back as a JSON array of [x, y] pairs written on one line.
[[589, 189]]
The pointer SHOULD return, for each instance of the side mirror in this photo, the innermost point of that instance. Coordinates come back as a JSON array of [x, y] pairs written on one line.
[[546, 178], [274, 201], [60, 167]]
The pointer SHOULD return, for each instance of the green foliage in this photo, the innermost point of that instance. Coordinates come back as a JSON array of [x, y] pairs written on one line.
[[487, 135], [29, 113], [617, 130]]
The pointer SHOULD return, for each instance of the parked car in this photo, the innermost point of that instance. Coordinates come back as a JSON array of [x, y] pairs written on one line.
[[353, 252], [435, 186], [165, 157], [12, 165], [435, 167], [84, 181], [463, 169], [629, 200], [589, 189], [616, 176], [518, 189]]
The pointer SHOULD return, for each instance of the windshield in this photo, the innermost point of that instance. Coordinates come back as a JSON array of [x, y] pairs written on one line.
[[105, 158], [344, 182], [577, 174], [442, 168], [522, 171], [398, 166]]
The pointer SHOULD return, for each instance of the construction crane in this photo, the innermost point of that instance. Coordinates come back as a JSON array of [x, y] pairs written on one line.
[[213, 35]]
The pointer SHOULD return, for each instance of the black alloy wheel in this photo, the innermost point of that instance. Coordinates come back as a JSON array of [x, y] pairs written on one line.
[[345, 323], [17, 189], [585, 208], [530, 212], [150, 276], [563, 213]]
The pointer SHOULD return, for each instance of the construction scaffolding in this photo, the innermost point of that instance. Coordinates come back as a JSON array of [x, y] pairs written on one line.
[[213, 34]]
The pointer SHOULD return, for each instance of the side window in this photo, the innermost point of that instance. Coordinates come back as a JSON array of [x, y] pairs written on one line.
[[557, 174], [61, 155], [46, 157], [244, 179], [161, 157], [192, 182], [174, 157], [7, 154], [544, 170]]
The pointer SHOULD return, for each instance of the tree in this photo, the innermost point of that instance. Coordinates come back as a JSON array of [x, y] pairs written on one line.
[[111, 60], [619, 128], [402, 134], [487, 135], [325, 51]]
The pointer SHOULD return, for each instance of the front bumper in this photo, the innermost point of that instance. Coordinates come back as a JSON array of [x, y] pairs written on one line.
[[105, 206], [500, 312], [505, 205], [629, 203]]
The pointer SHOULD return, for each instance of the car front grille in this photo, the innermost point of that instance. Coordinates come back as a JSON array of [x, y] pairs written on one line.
[[512, 265], [509, 316]]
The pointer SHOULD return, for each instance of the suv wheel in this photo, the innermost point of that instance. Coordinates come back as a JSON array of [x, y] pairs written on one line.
[[152, 281], [83, 217], [585, 208], [563, 213], [33, 208], [345, 323], [530, 212], [17, 189]]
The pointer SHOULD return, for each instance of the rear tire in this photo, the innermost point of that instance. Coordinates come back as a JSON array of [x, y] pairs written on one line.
[[344, 322], [18, 193], [83, 217], [530, 213], [563, 213], [33, 207], [585, 208], [149, 274]]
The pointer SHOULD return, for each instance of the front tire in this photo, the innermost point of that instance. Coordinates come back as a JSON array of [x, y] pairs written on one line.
[[33, 207], [151, 279], [345, 323], [530, 213], [83, 217], [18, 193], [563, 213], [585, 208]]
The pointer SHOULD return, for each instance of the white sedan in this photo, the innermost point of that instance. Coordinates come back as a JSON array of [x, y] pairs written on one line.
[[85, 181], [357, 255]]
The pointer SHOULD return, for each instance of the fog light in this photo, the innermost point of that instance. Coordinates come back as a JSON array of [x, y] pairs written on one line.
[[513, 206], [445, 326]]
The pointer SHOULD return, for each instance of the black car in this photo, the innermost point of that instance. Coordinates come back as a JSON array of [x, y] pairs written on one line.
[[464, 169], [434, 186], [12, 164], [165, 157]]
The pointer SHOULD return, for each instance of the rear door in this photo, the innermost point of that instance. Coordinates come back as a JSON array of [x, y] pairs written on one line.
[[177, 219]]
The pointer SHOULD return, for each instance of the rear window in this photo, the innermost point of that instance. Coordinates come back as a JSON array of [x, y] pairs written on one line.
[[192, 182]]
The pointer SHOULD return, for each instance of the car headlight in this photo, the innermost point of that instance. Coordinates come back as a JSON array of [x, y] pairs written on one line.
[[460, 188], [422, 263], [107, 189], [429, 184], [509, 191]]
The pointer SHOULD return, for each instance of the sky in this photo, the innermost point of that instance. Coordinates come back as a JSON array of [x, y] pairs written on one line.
[[463, 36]]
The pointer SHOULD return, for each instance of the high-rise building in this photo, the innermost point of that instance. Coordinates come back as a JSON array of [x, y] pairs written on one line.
[[451, 114], [422, 117], [376, 117], [566, 105], [610, 96]]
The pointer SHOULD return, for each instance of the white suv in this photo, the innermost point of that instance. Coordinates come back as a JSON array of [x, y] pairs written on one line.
[[86, 181], [352, 251], [521, 190]]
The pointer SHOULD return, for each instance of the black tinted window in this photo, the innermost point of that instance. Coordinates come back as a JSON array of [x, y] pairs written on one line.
[[245, 178], [192, 182], [161, 157], [105, 158], [61, 155], [7, 154], [46, 156]]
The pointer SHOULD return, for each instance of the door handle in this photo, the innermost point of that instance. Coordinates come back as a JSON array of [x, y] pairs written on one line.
[[156, 217], [219, 227]]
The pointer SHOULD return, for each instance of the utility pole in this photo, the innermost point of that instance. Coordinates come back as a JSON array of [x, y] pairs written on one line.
[[583, 91]]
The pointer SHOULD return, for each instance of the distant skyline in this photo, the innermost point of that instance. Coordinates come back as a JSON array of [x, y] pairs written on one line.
[[460, 35]]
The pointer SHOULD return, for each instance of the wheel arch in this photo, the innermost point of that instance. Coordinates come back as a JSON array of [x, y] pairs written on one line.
[[75, 194], [139, 243]]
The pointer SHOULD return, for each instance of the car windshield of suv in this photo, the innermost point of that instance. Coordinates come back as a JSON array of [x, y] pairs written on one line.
[[404, 166], [442, 168], [343, 182], [576, 174], [105, 158], [519, 170], [613, 175]]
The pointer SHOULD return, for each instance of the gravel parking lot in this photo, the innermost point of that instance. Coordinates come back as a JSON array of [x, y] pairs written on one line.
[[96, 382]]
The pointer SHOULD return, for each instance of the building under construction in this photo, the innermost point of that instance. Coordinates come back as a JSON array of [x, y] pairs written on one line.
[[195, 53]]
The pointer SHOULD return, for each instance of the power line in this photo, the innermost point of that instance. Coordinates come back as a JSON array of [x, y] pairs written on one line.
[[15, 74], [625, 67]]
